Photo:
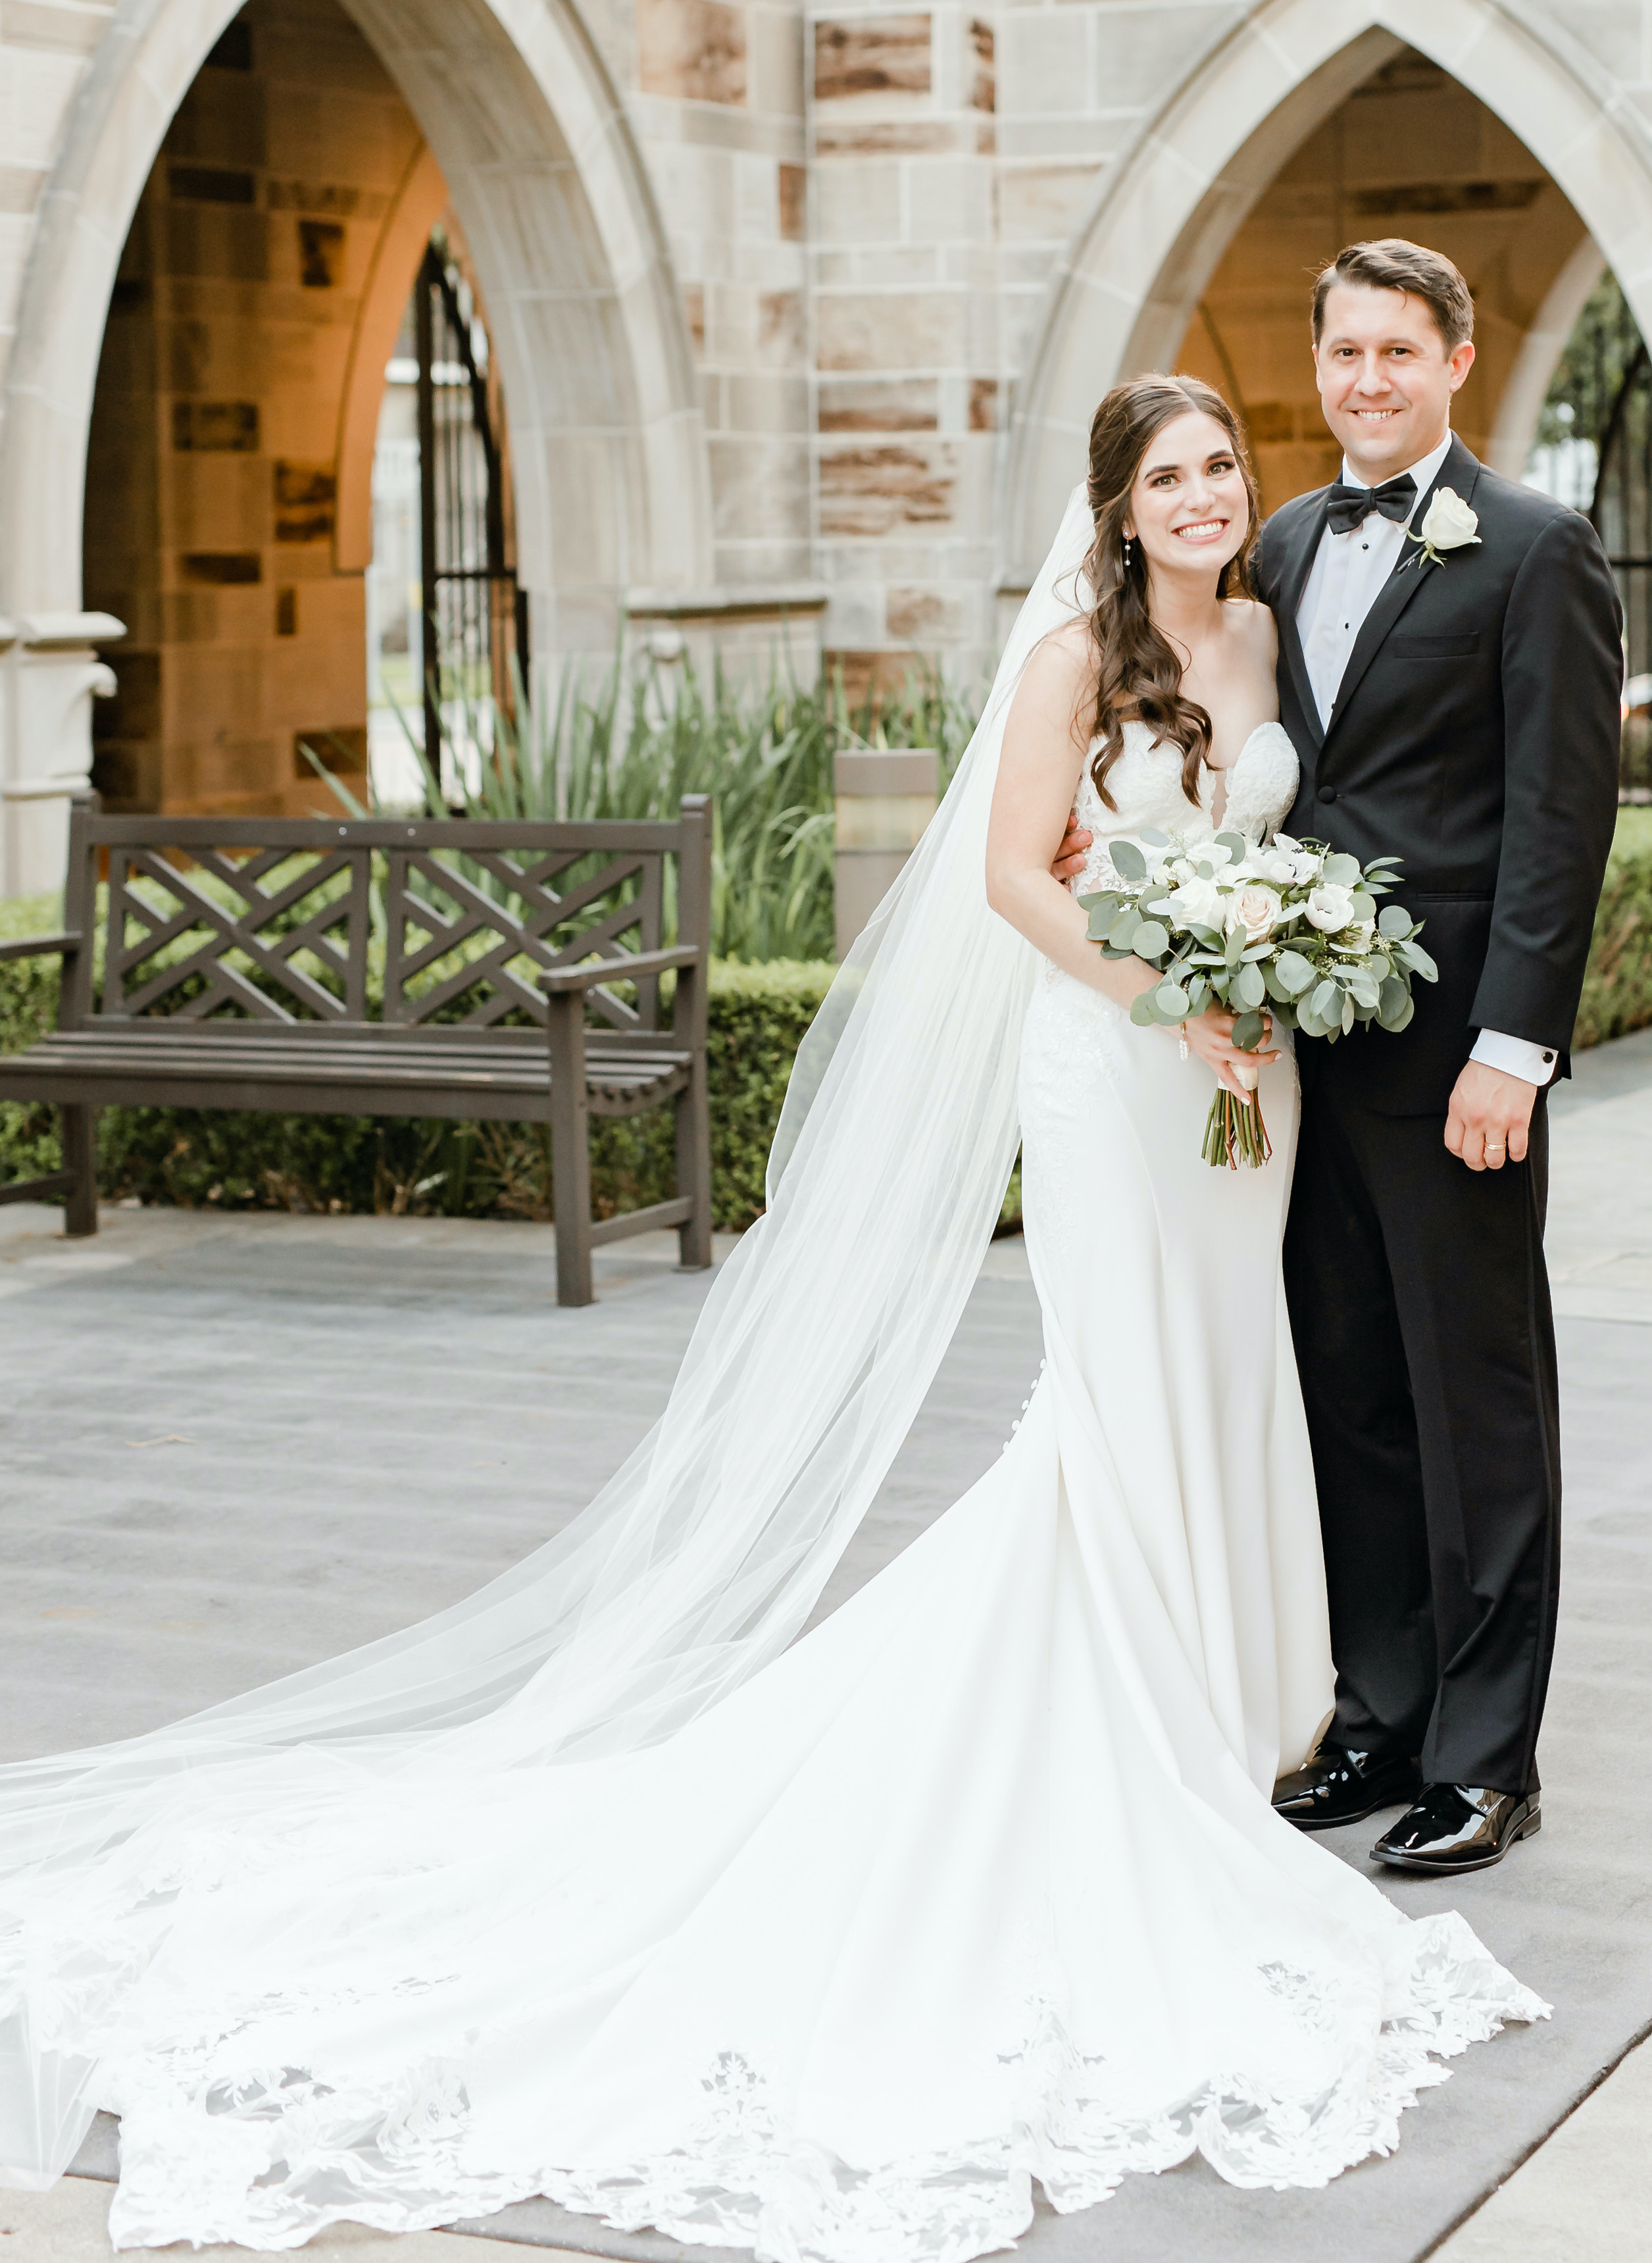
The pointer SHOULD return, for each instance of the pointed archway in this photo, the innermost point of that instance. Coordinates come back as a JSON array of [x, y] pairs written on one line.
[[517, 108], [1130, 285]]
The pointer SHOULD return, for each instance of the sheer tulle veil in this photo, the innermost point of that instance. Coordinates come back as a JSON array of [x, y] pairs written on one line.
[[702, 1558]]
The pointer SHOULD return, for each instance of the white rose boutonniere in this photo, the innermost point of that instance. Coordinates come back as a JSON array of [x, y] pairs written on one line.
[[1447, 525]]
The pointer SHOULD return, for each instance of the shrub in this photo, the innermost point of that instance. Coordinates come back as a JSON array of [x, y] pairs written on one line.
[[756, 1014], [614, 747], [1617, 988], [28, 1007]]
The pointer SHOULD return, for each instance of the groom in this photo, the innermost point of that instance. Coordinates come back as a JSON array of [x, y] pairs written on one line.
[[1455, 704], [1458, 710]]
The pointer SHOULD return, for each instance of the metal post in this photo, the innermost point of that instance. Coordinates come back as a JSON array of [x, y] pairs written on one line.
[[429, 630], [689, 1027]]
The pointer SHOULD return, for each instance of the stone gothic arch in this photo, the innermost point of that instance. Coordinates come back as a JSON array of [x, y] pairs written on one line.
[[519, 112], [1122, 298]]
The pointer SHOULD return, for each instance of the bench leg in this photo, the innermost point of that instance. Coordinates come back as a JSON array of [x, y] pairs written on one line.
[[570, 1150], [80, 1155], [571, 1181], [693, 1172]]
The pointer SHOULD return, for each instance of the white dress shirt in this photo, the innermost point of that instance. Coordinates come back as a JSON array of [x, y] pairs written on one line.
[[1348, 571]]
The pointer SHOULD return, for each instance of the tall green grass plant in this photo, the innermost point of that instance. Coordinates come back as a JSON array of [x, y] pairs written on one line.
[[625, 745]]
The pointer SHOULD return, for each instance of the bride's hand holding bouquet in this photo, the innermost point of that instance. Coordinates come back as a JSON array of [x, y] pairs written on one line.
[[1290, 931]]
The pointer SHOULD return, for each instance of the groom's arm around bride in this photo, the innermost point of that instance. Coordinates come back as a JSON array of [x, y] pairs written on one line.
[[1450, 673]]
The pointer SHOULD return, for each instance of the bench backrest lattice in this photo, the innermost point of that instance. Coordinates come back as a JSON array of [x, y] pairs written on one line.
[[281, 920], [385, 966], [224, 934], [474, 943]]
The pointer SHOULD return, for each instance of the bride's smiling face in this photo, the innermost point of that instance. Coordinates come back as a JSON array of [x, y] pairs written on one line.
[[1190, 509]]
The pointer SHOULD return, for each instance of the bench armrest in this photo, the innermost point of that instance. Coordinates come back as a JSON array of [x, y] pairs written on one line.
[[559, 980], [42, 946]]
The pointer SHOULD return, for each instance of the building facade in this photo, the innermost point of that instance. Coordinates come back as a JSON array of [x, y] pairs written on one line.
[[796, 315]]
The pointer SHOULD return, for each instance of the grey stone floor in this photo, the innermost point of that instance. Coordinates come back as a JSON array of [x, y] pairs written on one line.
[[235, 1445]]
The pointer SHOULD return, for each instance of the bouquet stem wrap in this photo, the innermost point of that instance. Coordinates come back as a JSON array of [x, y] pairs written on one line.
[[1235, 1133]]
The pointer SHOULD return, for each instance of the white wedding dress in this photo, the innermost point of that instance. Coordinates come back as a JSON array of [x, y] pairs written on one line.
[[975, 1885]]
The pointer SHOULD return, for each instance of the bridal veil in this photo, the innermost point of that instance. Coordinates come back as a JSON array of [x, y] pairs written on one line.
[[702, 1558]]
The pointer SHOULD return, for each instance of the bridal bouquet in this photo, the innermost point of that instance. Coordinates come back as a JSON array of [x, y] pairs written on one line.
[[1291, 928]]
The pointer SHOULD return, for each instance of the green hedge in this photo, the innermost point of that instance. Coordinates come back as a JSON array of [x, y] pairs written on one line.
[[1618, 989], [757, 1017]]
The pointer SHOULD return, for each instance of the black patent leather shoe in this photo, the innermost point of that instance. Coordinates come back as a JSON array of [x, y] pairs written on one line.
[[1459, 1826], [1338, 1786]]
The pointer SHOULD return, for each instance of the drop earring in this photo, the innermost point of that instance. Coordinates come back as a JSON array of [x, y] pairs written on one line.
[[1129, 547]]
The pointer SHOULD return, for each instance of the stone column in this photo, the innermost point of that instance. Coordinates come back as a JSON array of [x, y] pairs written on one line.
[[907, 383], [48, 680]]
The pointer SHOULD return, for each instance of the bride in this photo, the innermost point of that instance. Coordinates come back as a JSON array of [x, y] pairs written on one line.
[[603, 1885]]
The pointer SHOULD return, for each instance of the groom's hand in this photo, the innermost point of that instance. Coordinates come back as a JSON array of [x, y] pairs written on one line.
[[1488, 1119], [1070, 857]]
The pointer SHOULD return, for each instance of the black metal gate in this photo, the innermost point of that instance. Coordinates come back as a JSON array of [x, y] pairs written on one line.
[[1596, 432], [475, 615]]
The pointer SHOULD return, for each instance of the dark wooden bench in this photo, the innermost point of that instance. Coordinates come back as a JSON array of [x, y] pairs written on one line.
[[232, 972]]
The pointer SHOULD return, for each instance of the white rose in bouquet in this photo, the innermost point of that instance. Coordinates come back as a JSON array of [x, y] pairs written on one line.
[[1200, 903], [1256, 909], [1330, 907]]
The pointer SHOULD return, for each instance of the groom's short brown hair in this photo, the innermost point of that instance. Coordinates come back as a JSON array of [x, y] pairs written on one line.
[[1390, 264]]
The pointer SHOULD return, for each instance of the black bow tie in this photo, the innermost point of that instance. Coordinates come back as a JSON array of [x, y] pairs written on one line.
[[1351, 507]]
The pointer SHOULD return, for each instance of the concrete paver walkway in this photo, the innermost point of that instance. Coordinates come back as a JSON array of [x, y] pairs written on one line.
[[238, 1444]]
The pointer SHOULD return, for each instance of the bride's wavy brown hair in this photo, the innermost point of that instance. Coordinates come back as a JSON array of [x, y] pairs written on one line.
[[1138, 675]]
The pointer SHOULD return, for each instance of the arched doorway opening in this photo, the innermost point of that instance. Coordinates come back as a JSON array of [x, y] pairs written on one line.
[[503, 112], [264, 268], [1267, 157], [1410, 152]]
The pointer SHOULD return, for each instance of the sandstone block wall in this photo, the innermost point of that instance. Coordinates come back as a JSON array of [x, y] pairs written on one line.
[[822, 243], [718, 93]]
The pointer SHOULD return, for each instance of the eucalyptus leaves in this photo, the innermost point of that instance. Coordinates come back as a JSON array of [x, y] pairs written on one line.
[[1291, 929]]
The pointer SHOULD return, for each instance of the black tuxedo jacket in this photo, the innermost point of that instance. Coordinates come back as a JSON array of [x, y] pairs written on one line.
[[1476, 736]]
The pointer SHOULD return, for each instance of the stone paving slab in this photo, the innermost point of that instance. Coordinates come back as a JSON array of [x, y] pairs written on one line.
[[1586, 2193], [240, 1444]]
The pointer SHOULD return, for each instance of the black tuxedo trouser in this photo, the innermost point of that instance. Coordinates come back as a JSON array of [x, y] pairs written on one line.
[[1420, 1304]]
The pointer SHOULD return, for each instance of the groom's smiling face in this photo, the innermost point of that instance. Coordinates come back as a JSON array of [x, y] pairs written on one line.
[[1385, 377]]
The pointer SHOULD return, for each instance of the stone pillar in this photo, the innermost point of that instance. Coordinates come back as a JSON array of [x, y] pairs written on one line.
[[51, 675], [908, 363], [884, 802]]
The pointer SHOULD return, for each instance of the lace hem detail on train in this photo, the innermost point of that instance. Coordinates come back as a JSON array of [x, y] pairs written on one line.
[[270, 2157]]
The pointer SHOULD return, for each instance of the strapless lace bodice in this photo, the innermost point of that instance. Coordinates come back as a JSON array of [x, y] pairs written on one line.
[[1146, 784]]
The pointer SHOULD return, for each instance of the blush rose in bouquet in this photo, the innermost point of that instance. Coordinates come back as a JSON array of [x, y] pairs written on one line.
[[1291, 928]]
